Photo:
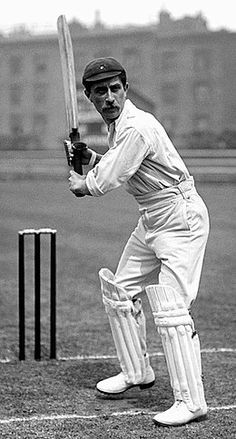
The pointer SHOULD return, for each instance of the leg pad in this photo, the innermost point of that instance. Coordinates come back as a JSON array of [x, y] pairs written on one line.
[[120, 310], [175, 327]]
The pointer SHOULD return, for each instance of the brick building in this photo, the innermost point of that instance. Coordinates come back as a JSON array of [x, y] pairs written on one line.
[[178, 69]]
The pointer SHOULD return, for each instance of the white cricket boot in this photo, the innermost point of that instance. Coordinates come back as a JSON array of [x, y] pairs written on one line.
[[118, 384], [179, 414]]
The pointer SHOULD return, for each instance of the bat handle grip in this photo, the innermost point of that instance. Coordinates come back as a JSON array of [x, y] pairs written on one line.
[[78, 148], [77, 159], [77, 163]]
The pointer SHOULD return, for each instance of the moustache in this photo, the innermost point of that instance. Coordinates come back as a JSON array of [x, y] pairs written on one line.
[[110, 107]]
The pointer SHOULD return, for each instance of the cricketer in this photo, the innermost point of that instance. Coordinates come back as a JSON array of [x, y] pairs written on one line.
[[169, 242]]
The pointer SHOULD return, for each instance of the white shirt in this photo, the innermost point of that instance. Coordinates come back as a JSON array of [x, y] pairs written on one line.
[[140, 155]]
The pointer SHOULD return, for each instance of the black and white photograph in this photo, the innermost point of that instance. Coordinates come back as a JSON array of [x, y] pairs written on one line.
[[117, 225]]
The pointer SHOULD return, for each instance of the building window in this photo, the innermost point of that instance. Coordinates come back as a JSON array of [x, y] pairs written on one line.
[[201, 92], [40, 64], [39, 123], [16, 94], [16, 124], [202, 60], [15, 65], [40, 93], [168, 61], [169, 94]]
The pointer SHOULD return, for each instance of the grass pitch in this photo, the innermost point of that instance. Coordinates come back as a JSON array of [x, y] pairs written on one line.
[[57, 399]]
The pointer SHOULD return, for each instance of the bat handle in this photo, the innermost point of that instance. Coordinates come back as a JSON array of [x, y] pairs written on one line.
[[77, 159], [78, 154], [77, 147]]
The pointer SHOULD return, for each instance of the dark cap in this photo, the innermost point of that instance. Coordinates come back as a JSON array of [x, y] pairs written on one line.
[[101, 68]]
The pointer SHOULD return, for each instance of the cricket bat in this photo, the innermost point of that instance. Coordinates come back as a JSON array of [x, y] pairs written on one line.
[[69, 83]]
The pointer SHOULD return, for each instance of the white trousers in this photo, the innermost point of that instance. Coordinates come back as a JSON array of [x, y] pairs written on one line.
[[168, 244]]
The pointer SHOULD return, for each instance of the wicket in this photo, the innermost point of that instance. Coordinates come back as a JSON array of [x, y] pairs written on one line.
[[37, 291]]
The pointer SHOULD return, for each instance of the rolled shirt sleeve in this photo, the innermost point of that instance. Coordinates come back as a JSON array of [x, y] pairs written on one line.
[[119, 163]]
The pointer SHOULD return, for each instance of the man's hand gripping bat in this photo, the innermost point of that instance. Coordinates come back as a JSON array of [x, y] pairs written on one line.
[[75, 147]]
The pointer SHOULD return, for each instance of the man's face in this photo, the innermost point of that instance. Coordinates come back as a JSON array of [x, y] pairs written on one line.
[[108, 96]]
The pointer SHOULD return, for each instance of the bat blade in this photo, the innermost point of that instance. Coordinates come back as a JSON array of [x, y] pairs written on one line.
[[68, 73]]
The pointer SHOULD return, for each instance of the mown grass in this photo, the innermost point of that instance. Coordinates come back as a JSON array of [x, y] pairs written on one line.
[[91, 234]]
